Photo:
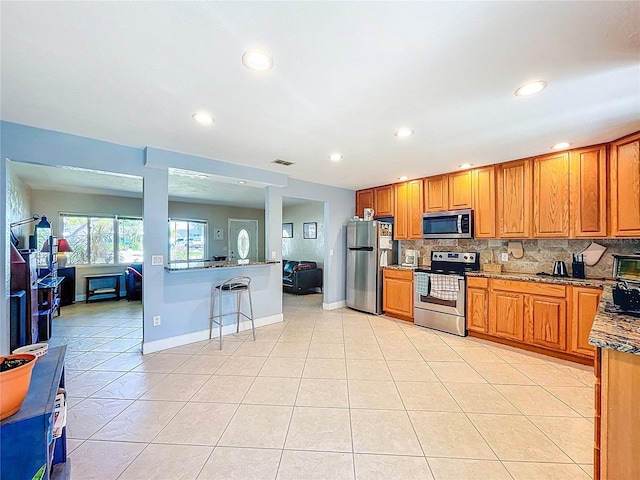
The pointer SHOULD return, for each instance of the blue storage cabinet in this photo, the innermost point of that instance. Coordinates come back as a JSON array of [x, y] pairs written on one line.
[[26, 438]]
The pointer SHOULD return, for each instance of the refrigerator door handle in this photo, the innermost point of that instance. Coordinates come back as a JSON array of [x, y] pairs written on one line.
[[361, 249]]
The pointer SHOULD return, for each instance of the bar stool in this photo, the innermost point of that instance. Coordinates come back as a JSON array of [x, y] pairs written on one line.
[[237, 285]]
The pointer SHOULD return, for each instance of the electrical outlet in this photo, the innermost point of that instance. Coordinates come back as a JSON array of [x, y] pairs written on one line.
[[156, 320], [331, 252], [157, 260], [273, 255], [505, 257]]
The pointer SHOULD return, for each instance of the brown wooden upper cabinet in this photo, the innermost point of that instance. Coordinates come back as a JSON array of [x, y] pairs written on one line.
[[436, 193], [364, 199], [625, 187], [514, 199], [484, 201], [448, 192], [551, 196], [408, 210], [588, 186], [384, 201]]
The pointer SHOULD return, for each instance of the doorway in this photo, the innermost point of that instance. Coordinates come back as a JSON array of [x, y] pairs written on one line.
[[243, 240]]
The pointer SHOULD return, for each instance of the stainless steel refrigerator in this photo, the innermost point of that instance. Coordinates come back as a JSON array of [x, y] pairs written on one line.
[[370, 247]]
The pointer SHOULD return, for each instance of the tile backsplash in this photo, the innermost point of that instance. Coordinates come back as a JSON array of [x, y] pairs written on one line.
[[539, 255]]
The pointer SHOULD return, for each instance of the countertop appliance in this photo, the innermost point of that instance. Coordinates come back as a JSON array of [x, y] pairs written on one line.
[[626, 270], [448, 224], [410, 258], [440, 291], [370, 247], [560, 269]]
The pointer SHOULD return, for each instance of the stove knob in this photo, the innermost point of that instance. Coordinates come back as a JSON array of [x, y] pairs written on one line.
[[466, 258]]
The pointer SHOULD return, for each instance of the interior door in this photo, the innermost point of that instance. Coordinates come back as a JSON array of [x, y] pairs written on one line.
[[243, 240]]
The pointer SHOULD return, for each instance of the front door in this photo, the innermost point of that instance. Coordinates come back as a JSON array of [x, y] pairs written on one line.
[[243, 240]]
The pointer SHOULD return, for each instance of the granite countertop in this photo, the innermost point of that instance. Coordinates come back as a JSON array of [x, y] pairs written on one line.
[[532, 277], [200, 265], [615, 331], [400, 267]]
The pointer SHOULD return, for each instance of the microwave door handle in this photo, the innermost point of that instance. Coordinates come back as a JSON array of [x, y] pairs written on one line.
[[459, 223]]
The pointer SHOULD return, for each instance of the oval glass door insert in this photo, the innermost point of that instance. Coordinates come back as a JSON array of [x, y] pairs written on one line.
[[243, 243]]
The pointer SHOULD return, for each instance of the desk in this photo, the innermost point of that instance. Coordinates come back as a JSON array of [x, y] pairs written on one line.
[[103, 284]]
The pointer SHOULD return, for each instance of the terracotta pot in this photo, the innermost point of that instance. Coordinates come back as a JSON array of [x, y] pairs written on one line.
[[14, 385]]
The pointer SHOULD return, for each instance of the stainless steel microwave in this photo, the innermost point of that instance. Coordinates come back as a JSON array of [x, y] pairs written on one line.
[[449, 224]]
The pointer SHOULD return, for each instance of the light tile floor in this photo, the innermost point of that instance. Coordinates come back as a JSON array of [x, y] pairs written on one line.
[[323, 395]]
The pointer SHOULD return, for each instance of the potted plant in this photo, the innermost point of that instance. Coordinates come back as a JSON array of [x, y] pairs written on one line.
[[15, 377]]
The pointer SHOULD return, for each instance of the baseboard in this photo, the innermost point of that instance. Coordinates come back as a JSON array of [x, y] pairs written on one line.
[[179, 340], [334, 305]]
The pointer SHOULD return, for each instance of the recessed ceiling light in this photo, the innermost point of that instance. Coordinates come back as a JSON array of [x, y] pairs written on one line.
[[203, 117], [241, 182], [403, 178], [335, 157], [561, 146], [531, 88], [257, 60], [464, 166], [404, 132]]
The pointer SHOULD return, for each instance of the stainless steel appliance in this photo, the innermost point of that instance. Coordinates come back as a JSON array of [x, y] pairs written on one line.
[[626, 270], [370, 247], [448, 224], [560, 269], [440, 291]]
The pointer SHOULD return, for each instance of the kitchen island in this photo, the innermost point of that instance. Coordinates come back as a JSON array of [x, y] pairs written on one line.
[[617, 369]]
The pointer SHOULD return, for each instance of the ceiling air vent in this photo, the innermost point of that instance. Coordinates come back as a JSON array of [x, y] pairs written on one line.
[[282, 162]]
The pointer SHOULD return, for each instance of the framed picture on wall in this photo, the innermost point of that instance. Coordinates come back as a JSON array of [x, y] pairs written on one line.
[[309, 230], [287, 230]]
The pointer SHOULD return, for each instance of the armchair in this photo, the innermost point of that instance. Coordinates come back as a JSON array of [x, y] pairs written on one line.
[[301, 277], [133, 282]]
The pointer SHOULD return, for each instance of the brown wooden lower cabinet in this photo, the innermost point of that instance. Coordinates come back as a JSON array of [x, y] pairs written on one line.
[[617, 419], [397, 293], [543, 317]]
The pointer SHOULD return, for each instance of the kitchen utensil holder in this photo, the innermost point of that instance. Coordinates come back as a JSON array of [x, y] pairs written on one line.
[[577, 270]]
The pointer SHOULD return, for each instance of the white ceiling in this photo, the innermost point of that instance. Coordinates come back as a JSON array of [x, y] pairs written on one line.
[[346, 75]]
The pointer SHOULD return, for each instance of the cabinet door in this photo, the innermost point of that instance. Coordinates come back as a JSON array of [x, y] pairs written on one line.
[[460, 193], [436, 193], [397, 293], [588, 184], [364, 199], [477, 309], [547, 322], [507, 315], [551, 196], [400, 219], [415, 209], [384, 201], [625, 187], [514, 199], [584, 305], [484, 201]]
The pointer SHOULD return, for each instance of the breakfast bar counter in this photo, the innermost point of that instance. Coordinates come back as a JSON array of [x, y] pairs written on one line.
[[204, 264]]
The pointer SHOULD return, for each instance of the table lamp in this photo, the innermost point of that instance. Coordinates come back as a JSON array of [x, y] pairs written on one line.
[[63, 249]]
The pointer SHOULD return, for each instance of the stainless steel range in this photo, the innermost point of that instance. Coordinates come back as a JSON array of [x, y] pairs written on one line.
[[440, 291]]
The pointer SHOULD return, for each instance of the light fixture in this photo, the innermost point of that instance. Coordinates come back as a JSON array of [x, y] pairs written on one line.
[[531, 88], [335, 157], [241, 182], [561, 146], [203, 118], [464, 166], [403, 178], [257, 60], [63, 249], [404, 132]]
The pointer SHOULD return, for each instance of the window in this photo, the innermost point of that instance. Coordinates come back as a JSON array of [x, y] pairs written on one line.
[[103, 240], [187, 240]]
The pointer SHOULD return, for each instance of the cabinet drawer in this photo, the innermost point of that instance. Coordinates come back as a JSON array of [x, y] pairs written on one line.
[[406, 275], [478, 282], [546, 289]]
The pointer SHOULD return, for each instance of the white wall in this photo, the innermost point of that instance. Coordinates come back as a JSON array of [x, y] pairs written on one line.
[[299, 248], [19, 206]]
